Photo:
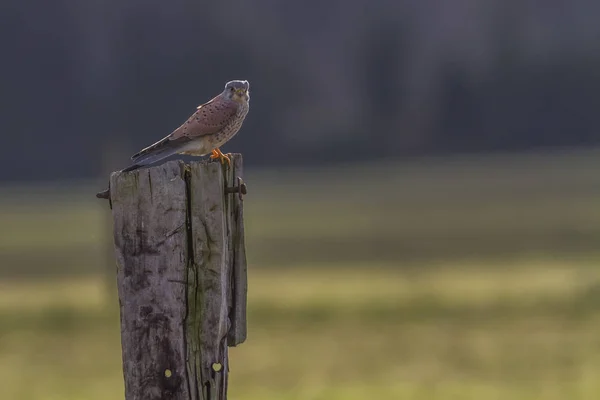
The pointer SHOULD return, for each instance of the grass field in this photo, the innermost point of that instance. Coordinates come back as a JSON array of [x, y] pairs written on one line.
[[445, 279], [528, 332]]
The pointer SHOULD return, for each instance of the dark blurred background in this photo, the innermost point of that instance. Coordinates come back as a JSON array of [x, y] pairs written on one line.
[[422, 220], [331, 80]]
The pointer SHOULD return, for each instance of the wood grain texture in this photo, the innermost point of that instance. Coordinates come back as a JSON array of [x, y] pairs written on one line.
[[181, 276], [238, 331], [150, 213], [212, 269]]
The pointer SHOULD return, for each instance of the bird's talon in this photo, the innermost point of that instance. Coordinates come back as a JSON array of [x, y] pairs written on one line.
[[216, 153], [226, 158]]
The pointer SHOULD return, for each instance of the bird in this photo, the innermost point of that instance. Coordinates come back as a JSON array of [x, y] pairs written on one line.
[[205, 131]]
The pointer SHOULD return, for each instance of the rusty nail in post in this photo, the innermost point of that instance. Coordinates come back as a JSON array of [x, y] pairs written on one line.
[[105, 194], [240, 188]]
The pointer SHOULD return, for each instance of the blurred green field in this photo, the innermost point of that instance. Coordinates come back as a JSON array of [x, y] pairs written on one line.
[[463, 278], [527, 332], [491, 207]]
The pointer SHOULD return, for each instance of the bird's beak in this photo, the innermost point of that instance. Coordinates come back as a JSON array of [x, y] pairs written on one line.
[[240, 92]]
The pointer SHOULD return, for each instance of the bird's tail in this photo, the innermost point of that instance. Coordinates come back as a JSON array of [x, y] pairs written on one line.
[[156, 152]]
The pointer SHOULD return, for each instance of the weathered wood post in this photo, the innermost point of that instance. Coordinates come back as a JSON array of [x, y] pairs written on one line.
[[181, 277], [113, 153]]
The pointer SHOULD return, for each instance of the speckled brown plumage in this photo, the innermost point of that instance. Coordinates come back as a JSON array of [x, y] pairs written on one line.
[[212, 125]]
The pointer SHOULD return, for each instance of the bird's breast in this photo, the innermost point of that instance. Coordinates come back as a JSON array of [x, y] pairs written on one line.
[[232, 127]]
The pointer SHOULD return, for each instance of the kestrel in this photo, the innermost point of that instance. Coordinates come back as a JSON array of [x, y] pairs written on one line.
[[213, 124]]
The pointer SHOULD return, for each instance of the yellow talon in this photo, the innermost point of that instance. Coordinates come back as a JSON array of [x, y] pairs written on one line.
[[216, 153]]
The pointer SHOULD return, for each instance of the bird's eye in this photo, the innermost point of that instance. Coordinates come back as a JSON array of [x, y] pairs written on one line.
[[232, 89]]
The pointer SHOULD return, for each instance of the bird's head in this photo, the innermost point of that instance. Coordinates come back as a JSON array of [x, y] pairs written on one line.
[[237, 91]]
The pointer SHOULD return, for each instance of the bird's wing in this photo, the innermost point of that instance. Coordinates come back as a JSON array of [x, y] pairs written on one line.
[[208, 119]]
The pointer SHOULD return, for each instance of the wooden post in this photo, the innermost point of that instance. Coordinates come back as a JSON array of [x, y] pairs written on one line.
[[113, 154], [181, 277]]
